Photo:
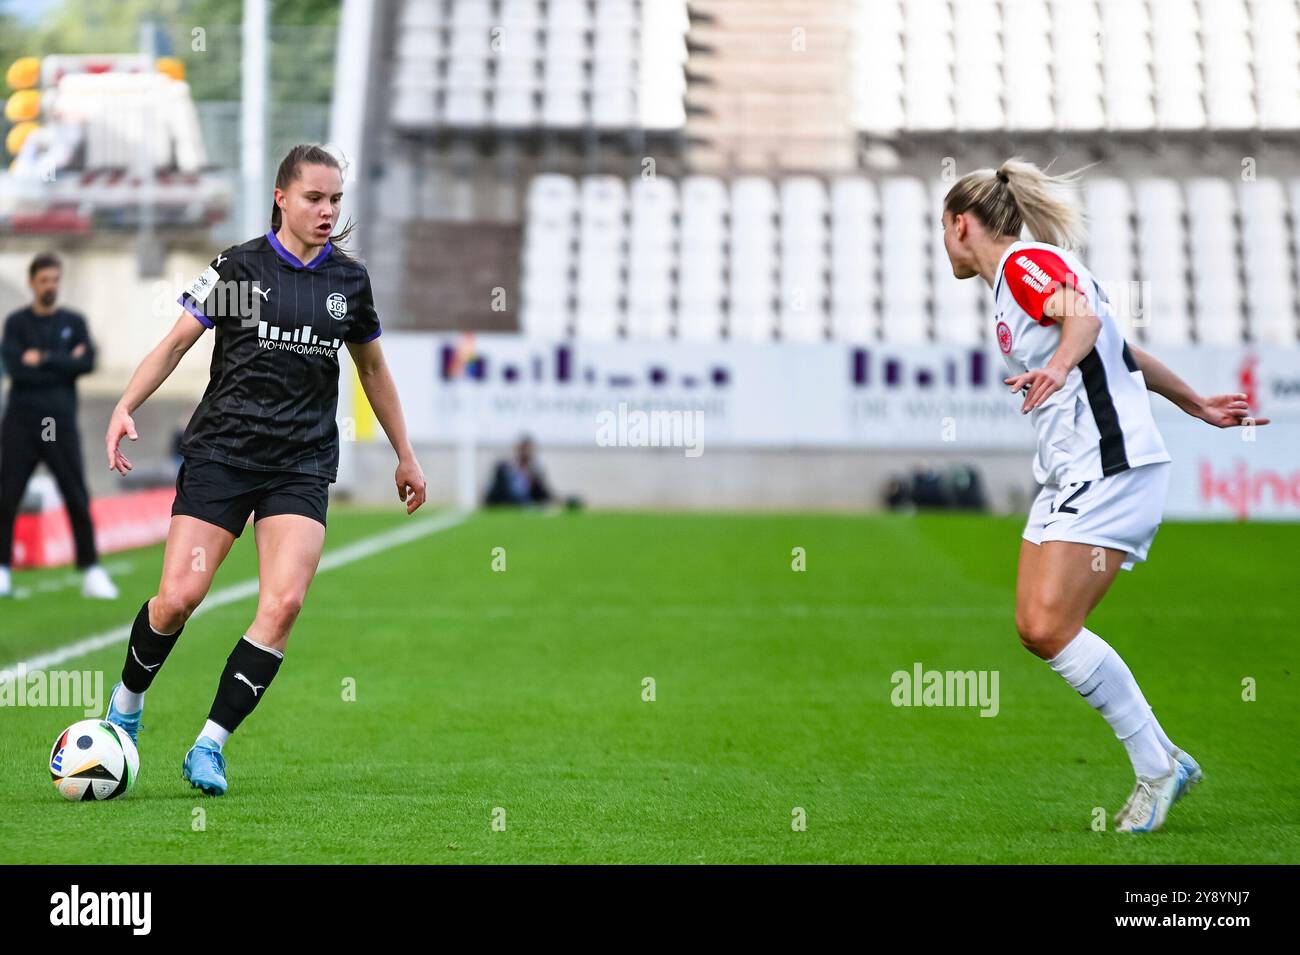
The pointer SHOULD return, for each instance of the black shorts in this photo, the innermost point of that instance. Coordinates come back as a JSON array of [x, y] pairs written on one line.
[[224, 495]]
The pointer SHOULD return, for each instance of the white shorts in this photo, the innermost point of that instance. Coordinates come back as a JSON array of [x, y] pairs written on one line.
[[1121, 511]]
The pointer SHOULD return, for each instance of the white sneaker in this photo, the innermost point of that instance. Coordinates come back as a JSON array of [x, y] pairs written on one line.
[[1151, 799], [98, 584], [1194, 775], [6, 583]]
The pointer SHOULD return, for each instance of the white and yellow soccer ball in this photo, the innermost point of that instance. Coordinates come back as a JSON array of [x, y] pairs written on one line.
[[92, 760]]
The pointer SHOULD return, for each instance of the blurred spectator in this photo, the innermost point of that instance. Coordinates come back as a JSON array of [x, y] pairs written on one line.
[[45, 349], [958, 488], [518, 481]]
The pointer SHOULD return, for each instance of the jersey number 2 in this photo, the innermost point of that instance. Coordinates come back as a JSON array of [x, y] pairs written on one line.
[[1065, 507]]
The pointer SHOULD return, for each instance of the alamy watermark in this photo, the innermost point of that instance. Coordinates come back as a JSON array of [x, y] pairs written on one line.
[[73, 688], [635, 428], [922, 687]]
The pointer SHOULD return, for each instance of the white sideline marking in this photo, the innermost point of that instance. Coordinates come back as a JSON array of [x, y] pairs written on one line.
[[350, 553]]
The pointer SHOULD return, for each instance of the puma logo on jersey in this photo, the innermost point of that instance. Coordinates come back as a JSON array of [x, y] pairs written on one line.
[[246, 680], [220, 258], [1034, 276], [264, 292]]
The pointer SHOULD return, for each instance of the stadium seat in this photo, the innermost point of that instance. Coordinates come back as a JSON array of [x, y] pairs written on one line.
[[1112, 253], [907, 224], [551, 211], [803, 259], [701, 288], [602, 231], [751, 292], [1162, 261], [651, 258], [563, 64], [854, 260], [1267, 260], [1212, 236]]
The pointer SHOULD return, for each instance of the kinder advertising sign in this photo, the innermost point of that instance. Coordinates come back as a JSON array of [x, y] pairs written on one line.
[[1237, 473]]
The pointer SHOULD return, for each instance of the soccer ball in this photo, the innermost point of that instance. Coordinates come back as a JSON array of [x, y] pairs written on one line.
[[94, 759]]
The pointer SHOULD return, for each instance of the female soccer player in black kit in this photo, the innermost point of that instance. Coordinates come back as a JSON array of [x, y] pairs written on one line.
[[262, 441]]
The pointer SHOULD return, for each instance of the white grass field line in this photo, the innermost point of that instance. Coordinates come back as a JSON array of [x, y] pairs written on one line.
[[330, 560]]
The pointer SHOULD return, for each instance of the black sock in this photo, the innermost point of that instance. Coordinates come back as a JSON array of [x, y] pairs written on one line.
[[146, 652], [249, 671]]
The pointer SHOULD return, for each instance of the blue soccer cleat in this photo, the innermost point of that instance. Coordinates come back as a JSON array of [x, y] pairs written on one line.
[[1194, 774], [129, 722], [205, 768]]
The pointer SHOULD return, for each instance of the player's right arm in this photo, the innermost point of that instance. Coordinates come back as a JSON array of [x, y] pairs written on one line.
[[152, 372], [1222, 411]]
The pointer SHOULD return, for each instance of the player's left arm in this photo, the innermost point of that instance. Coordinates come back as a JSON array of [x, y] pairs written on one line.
[[1080, 327], [381, 392], [1222, 411]]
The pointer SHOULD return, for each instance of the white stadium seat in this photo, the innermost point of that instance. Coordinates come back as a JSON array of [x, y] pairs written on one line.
[[751, 292], [701, 272], [1207, 260], [1112, 252], [803, 247], [474, 64], [1162, 261], [855, 256], [907, 223], [1212, 238]]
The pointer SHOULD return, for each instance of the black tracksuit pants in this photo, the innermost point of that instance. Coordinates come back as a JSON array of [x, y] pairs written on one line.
[[24, 442]]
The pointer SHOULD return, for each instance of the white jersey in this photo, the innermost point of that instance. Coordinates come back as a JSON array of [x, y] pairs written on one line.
[[1099, 423]]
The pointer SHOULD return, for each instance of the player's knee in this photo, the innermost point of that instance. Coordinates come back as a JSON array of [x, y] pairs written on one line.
[[1040, 632], [173, 606], [282, 609]]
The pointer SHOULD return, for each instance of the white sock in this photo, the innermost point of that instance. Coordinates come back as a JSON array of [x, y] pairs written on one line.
[[1090, 665], [218, 734], [126, 701], [1161, 735]]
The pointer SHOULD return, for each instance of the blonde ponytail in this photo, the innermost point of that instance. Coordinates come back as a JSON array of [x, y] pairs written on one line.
[[1019, 195]]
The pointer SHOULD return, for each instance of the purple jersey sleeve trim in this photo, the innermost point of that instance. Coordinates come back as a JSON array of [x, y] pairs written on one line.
[[195, 312]]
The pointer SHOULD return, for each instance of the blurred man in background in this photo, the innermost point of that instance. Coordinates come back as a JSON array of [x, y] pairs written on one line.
[[518, 481], [45, 348]]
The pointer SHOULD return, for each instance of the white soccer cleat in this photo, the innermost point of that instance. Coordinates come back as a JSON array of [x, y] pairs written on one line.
[[1152, 796], [6, 583], [97, 584], [1194, 776]]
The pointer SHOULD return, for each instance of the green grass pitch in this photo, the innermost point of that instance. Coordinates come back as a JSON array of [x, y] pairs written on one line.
[[523, 690]]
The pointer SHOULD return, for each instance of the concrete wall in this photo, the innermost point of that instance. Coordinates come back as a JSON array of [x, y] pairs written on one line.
[[731, 479]]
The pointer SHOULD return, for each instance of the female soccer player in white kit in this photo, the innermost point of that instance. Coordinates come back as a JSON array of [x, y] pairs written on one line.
[[1100, 459]]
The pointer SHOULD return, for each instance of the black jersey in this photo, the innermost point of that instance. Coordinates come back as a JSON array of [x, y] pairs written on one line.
[[50, 387], [273, 393]]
